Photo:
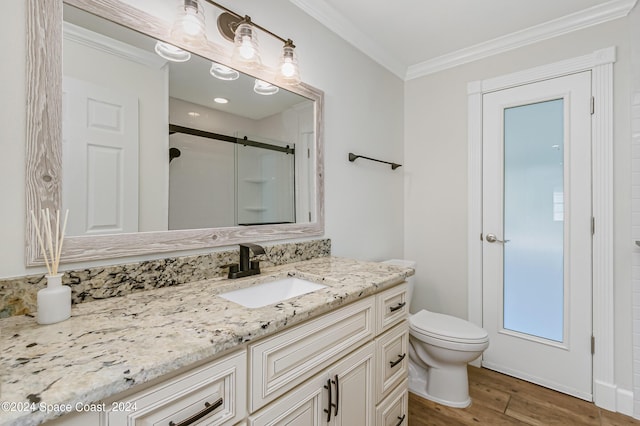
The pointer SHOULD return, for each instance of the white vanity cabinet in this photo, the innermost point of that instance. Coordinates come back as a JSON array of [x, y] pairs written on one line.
[[392, 357], [347, 367]]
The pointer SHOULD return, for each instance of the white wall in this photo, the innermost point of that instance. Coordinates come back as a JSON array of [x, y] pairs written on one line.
[[363, 114], [436, 187]]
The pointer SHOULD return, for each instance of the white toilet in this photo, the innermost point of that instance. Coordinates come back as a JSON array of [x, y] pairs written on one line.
[[440, 348]]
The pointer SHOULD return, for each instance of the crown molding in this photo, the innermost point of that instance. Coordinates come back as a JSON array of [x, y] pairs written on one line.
[[111, 46], [576, 21], [337, 23]]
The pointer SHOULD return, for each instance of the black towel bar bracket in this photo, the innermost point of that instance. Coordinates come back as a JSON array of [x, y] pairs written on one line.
[[353, 157]]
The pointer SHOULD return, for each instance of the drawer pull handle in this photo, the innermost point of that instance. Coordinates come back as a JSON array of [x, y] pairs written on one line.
[[337, 396], [398, 306], [329, 404], [401, 419], [208, 409], [398, 361]]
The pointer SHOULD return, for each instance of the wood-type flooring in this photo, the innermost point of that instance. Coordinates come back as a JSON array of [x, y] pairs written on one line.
[[503, 400]]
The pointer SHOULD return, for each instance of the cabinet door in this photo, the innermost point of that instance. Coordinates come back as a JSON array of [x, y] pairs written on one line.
[[353, 388], [300, 407], [393, 410], [392, 359], [287, 359]]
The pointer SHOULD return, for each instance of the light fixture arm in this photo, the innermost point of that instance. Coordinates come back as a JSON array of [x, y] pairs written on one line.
[[247, 19]]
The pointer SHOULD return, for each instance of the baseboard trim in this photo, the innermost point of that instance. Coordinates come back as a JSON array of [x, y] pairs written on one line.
[[612, 398], [624, 402], [604, 395]]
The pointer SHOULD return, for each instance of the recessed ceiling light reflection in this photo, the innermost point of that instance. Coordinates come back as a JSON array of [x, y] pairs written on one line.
[[172, 53], [221, 100], [222, 72], [263, 88], [193, 114]]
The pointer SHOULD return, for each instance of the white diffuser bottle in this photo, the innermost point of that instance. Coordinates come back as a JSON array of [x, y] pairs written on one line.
[[54, 301]]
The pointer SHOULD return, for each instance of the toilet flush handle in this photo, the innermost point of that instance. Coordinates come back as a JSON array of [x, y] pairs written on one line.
[[491, 238]]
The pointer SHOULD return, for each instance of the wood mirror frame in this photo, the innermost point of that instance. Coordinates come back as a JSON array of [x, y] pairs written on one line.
[[43, 180]]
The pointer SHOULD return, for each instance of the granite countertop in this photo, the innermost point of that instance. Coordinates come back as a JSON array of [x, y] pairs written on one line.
[[111, 345]]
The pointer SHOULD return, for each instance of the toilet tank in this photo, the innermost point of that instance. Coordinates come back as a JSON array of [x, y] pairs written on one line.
[[410, 280]]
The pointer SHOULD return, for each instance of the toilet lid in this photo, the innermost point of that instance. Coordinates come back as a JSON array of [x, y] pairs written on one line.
[[446, 327]]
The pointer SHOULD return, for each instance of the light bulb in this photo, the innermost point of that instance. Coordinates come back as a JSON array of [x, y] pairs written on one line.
[[189, 23], [287, 68], [246, 49], [289, 72]]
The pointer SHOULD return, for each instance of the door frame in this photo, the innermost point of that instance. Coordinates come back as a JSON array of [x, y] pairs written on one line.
[[600, 63]]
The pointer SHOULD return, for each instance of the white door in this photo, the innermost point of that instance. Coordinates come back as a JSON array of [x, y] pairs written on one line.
[[100, 159], [537, 232]]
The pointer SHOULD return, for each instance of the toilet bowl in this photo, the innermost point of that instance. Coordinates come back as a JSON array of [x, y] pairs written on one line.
[[439, 350]]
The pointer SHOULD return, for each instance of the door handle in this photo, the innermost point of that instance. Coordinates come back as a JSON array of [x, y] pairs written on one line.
[[491, 238], [329, 403]]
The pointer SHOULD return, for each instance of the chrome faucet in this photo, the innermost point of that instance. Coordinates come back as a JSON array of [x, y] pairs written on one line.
[[246, 267]]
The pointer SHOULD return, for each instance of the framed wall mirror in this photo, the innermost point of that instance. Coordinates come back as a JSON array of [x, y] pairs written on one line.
[[141, 154]]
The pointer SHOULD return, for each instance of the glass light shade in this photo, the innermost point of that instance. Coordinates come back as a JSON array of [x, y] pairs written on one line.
[[189, 23], [246, 49], [221, 72], [172, 53], [289, 71], [264, 88]]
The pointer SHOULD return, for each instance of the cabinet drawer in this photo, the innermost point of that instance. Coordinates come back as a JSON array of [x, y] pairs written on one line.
[[392, 357], [285, 360], [392, 307], [394, 410], [215, 391]]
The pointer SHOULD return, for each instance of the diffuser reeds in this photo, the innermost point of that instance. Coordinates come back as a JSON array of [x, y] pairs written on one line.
[[51, 248]]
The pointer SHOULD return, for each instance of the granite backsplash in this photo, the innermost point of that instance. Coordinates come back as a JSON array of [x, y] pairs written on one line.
[[18, 295]]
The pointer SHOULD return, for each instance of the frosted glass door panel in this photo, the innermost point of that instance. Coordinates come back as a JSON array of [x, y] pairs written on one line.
[[533, 219]]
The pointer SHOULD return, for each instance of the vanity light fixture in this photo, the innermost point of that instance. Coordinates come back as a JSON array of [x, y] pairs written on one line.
[[263, 88], [189, 23], [189, 27], [223, 73], [241, 30], [246, 48], [289, 71], [171, 53]]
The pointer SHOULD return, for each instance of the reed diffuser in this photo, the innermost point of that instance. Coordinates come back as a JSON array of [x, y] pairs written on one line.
[[54, 301]]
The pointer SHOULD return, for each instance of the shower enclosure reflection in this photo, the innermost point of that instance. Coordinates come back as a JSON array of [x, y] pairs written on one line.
[[230, 180]]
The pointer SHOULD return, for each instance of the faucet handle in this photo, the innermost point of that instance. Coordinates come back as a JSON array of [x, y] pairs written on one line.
[[255, 248]]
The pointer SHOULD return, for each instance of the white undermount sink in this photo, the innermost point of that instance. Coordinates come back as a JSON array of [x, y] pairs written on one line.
[[271, 292]]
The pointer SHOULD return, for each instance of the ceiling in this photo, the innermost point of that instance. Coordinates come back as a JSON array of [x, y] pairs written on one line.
[[417, 37]]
